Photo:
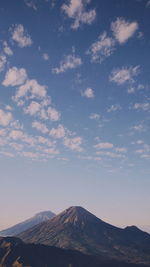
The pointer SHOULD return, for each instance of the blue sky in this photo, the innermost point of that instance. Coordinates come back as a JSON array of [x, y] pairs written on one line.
[[75, 108]]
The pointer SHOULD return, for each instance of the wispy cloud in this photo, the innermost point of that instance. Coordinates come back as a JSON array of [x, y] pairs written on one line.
[[124, 75], [101, 48], [114, 107], [69, 62]]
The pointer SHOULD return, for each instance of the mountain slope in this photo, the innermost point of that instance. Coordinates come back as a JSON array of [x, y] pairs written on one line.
[[23, 226], [76, 228], [14, 253]]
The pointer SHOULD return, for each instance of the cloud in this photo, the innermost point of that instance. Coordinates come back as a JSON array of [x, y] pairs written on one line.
[[33, 108], [3, 61], [31, 4], [121, 149], [94, 116], [73, 143], [53, 114], [7, 49], [115, 107], [141, 106], [69, 62], [102, 48], [123, 30], [5, 118], [21, 37], [105, 145], [58, 132], [139, 127], [15, 76], [124, 75], [32, 88], [76, 10], [40, 127], [45, 56], [148, 3], [110, 154], [89, 93]]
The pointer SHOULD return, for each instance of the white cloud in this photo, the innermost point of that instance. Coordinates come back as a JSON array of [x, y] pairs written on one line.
[[124, 75], [70, 62], [40, 127], [45, 56], [15, 76], [89, 93], [73, 143], [21, 37], [33, 88], [76, 10], [94, 116], [131, 90], [121, 149], [3, 61], [138, 127], [58, 132], [105, 145], [5, 118], [142, 106], [53, 114], [33, 108], [31, 4], [114, 108], [7, 49], [102, 48], [148, 3], [110, 154], [123, 30]]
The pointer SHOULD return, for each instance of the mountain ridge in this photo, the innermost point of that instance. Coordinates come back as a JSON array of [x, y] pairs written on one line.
[[77, 228], [23, 226]]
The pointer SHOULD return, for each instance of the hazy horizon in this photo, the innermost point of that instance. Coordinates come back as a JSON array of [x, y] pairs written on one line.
[[75, 109]]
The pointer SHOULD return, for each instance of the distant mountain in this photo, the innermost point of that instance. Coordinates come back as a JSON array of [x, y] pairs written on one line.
[[14, 253], [23, 226], [76, 228]]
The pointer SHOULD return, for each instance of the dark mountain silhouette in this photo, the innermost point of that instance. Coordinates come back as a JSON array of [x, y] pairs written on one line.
[[23, 226], [14, 253], [76, 228]]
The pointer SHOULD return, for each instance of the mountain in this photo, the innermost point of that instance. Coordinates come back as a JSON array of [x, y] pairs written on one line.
[[15, 253], [23, 226], [76, 228]]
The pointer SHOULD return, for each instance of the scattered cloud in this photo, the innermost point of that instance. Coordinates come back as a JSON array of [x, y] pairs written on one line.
[[102, 48], [74, 143], [114, 107], [7, 50], [76, 10], [21, 37], [15, 76], [45, 56], [94, 116], [69, 62], [148, 3], [139, 127], [3, 61], [105, 145], [58, 132], [142, 106], [5, 118], [123, 30], [124, 75], [40, 127], [31, 4], [53, 114], [89, 93]]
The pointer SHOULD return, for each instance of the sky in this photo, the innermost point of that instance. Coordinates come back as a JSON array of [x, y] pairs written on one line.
[[75, 109]]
